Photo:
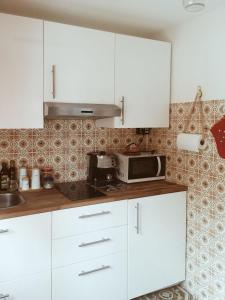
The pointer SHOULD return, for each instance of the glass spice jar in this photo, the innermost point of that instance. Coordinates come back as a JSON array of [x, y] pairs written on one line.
[[47, 178]]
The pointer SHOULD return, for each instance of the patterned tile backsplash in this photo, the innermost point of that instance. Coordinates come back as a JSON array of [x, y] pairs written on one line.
[[204, 173], [64, 145]]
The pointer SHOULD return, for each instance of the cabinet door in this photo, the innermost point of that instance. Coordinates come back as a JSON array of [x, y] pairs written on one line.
[[21, 72], [25, 246], [83, 61], [36, 287], [156, 242], [142, 77], [99, 279]]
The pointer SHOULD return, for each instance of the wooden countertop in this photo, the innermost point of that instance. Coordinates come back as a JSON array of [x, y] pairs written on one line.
[[49, 200]]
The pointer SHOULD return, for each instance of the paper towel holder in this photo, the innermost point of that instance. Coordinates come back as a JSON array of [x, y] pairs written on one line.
[[201, 139], [222, 110]]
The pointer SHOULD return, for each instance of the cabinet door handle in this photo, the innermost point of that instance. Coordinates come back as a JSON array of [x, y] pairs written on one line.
[[4, 231], [122, 110], [102, 213], [83, 273], [137, 227], [53, 81], [4, 296], [95, 242]]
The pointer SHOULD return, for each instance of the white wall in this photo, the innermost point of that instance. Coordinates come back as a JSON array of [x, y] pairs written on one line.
[[199, 57]]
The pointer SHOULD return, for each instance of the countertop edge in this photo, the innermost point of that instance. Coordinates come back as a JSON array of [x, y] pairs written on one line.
[[63, 203]]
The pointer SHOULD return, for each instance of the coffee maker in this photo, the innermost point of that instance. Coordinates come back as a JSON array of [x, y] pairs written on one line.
[[101, 168]]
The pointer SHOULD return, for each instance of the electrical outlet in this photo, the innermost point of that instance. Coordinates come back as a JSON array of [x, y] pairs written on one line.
[[142, 131]]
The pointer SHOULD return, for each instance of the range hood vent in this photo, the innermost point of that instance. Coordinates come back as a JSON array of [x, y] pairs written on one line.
[[59, 110]]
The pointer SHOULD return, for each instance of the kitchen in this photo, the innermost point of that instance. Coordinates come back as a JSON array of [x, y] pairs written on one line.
[[163, 238]]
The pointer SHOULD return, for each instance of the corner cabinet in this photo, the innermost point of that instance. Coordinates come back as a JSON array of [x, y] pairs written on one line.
[[142, 83], [21, 72], [78, 64], [156, 243]]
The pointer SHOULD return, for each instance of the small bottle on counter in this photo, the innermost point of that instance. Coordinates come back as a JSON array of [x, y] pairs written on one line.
[[4, 177], [13, 186], [22, 174], [35, 179], [25, 183]]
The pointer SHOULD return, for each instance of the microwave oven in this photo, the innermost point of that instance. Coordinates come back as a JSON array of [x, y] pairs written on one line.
[[142, 167]]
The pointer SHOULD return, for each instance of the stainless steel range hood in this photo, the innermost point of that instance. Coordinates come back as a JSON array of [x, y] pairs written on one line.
[[59, 110]]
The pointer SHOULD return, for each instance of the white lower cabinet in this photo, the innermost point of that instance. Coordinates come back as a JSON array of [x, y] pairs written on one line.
[[25, 260], [35, 287], [89, 252], [156, 242], [98, 279], [115, 251], [25, 246]]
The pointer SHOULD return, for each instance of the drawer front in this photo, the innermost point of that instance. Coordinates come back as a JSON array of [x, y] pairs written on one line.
[[78, 248], [99, 279], [25, 246], [35, 287], [89, 218]]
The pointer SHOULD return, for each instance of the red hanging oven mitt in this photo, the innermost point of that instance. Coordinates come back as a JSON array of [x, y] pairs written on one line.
[[218, 132]]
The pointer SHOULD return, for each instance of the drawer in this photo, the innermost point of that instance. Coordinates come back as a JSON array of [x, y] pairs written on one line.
[[78, 248], [32, 287], [99, 279], [89, 218]]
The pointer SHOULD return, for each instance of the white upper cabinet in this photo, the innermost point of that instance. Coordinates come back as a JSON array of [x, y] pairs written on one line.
[[21, 72], [78, 64], [142, 80]]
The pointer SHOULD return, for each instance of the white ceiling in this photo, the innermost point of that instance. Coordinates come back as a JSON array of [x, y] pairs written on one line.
[[138, 17]]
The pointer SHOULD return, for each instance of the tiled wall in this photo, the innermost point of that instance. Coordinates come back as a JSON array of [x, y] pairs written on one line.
[[204, 173], [63, 145]]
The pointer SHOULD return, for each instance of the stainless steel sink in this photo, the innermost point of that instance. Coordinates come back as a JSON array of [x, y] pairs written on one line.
[[8, 200]]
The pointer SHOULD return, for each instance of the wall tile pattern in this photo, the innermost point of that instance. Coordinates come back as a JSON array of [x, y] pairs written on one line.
[[63, 144], [204, 174]]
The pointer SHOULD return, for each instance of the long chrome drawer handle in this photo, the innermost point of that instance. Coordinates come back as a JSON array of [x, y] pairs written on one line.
[[4, 231], [53, 81], [95, 215], [4, 296], [137, 227], [83, 273], [95, 242]]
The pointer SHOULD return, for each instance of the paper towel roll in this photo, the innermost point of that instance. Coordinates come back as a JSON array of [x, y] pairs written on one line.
[[189, 141]]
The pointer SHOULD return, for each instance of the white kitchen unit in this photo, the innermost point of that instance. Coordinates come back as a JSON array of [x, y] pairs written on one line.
[[142, 83], [26, 257], [89, 252], [156, 242], [78, 64], [115, 250], [21, 72]]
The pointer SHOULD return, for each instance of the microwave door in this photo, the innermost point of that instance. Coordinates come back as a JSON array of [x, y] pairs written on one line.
[[144, 167]]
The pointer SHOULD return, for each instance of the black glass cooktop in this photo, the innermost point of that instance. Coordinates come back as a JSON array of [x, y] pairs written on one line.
[[78, 190]]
